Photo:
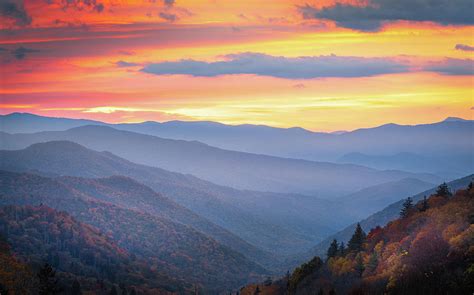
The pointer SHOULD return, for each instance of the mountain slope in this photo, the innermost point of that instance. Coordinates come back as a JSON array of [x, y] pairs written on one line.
[[372, 199], [76, 250], [379, 218], [222, 206], [128, 193], [428, 250], [30, 123], [166, 245], [234, 169]]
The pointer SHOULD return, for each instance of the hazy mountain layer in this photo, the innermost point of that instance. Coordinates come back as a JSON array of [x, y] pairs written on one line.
[[391, 146], [251, 215], [234, 169]]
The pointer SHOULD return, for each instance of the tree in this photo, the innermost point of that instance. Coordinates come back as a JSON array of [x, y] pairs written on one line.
[[333, 249], [123, 289], [443, 190], [76, 288], [469, 187], [48, 284], [332, 292], [113, 291], [3, 290], [342, 249], [320, 292], [406, 207], [257, 291], [424, 205], [373, 262], [359, 265], [356, 243]]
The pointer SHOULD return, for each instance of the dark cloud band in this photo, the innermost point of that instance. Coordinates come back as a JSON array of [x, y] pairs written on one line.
[[372, 16], [464, 47], [452, 67], [15, 10], [281, 67]]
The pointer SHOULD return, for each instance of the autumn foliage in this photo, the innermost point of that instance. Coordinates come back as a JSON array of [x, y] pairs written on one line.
[[428, 250]]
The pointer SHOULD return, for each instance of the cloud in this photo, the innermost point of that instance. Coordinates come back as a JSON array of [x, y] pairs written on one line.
[[372, 16], [21, 52], [15, 10], [79, 5], [306, 67], [168, 2], [168, 16], [299, 86], [452, 67], [464, 47], [125, 64]]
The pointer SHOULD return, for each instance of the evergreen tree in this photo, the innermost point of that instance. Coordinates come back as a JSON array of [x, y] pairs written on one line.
[[333, 249], [113, 291], [48, 284], [443, 190], [320, 292], [359, 265], [469, 187], [3, 290], [424, 205], [373, 262], [257, 291], [342, 249], [332, 292], [356, 243], [133, 292], [123, 289], [76, 288], [406, 207]]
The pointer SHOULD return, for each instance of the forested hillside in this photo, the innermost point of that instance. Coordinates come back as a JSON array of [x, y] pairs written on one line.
[[173, 248], [79, 252], [427, 250]]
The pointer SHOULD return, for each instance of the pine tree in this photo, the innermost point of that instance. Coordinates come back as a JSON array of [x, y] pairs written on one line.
[[320, 292], [76, 288], [342, 249], [359, 265], [332, 292], [373, 262], [424, 205], [3, 290], [113, 291], [443, 190], [469, 187], [48, 284], [257, 291], [406, 207], [356, 243], [333, 249], [123, 289]]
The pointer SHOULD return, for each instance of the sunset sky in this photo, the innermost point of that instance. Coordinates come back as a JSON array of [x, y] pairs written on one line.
[[321, 65]]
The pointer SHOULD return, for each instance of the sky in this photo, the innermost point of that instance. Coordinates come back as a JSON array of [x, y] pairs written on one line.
[[321, 65]]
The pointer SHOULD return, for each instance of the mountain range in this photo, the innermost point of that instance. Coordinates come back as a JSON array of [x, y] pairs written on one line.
[[175, 197], [229, 168], [390, 146]]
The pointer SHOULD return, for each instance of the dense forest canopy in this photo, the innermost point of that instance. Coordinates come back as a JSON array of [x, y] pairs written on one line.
[[429, 249]]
